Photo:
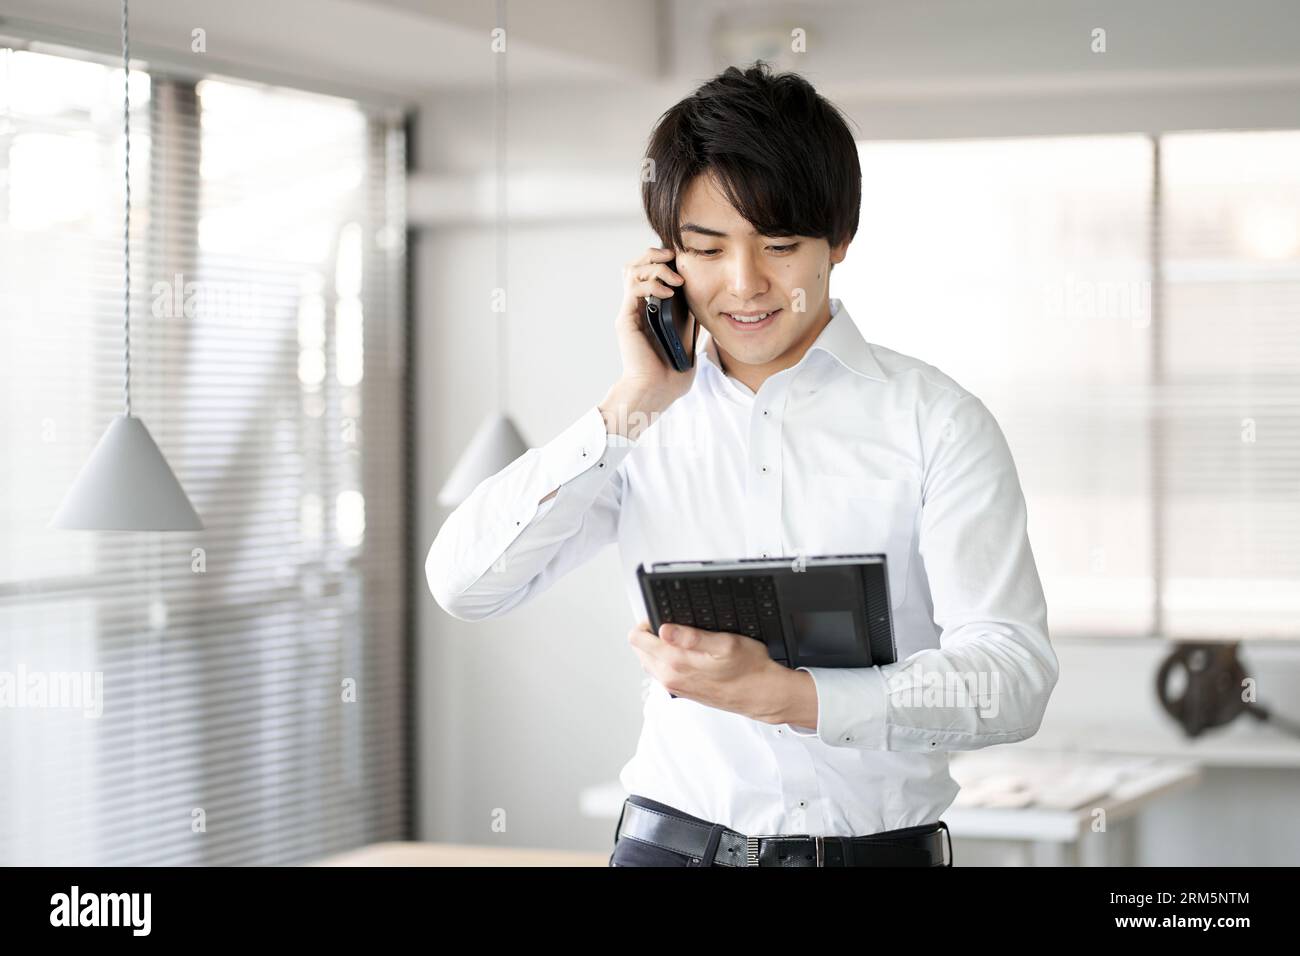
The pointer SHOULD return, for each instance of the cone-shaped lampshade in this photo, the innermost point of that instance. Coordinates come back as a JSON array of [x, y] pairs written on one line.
[[126, 485], [496, 444]]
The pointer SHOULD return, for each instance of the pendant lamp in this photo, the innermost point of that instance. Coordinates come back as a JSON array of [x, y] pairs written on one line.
[[497, 442], [126, 485]]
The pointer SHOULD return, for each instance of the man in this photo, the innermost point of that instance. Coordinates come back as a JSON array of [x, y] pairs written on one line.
[[791, 435]]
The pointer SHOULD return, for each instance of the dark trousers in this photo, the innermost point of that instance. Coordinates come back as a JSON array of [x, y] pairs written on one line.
[[630, 851]]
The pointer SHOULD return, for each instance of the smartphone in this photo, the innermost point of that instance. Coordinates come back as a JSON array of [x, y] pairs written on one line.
[[668, 320]]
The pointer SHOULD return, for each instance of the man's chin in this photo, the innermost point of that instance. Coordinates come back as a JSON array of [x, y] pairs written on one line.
[[750, 356]]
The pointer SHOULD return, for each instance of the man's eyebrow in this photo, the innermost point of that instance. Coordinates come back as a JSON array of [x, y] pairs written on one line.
[[702, 230]]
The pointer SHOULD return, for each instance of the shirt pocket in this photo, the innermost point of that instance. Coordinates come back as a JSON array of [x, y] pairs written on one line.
[[870, 516]]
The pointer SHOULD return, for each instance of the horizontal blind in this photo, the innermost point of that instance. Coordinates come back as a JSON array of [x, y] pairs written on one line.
[[1021, 269], [1154, 414], [252, 698], [1229, 408]]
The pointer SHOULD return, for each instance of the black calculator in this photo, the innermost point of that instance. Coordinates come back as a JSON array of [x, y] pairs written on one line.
[[823, 611]]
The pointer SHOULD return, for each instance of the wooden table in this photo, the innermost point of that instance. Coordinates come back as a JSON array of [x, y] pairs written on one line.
[[454, 854]]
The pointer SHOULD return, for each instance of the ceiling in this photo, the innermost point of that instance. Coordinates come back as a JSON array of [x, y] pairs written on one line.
[[403, 51]]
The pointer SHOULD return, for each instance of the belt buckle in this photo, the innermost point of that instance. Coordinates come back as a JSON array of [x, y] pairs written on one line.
[[751, 848]]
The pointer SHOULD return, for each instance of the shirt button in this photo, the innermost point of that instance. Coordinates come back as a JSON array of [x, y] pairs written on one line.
[[763, 469]]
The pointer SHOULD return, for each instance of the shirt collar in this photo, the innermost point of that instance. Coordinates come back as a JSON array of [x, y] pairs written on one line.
[[840, 339]]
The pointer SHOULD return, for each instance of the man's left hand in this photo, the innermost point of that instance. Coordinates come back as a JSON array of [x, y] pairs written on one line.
[[716, 668]]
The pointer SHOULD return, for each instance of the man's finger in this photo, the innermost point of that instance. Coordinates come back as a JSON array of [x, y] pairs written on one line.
[[693, 638]]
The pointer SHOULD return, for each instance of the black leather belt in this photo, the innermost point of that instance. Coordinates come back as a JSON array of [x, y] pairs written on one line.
[[910, 846]]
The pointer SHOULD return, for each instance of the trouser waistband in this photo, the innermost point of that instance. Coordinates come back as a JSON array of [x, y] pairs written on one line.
[[711, 844]]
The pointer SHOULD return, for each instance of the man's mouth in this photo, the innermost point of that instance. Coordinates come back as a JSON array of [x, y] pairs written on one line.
[[750, 321]]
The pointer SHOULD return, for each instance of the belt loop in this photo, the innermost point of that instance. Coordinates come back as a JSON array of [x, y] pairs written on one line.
[[711, 847], [949, 841], [619, 826]]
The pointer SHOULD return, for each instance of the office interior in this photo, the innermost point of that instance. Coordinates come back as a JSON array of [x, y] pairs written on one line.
[[1086, 213]]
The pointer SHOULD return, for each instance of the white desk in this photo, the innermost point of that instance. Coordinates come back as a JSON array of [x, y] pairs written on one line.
[[1068, 808], [1049, 801]]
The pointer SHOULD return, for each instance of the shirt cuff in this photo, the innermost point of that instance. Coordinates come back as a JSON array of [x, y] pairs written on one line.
[[851, 707], [583, 446], [576, 465]]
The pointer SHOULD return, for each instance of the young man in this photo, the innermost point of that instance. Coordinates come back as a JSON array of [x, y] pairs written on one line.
[[790, 435]]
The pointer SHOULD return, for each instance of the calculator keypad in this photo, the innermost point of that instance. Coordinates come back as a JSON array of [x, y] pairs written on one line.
[[741, 604]]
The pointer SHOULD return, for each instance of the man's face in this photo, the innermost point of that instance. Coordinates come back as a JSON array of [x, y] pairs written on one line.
[[730, 269]]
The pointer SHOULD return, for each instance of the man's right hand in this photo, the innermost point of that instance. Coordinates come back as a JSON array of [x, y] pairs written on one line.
[[648, 384]]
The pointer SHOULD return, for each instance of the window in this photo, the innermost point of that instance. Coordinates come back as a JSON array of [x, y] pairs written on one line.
[[1230, 384], [1138, 339], [252, 702]]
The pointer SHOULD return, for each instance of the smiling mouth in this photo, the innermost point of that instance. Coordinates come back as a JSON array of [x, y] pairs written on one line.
[[751, 320]]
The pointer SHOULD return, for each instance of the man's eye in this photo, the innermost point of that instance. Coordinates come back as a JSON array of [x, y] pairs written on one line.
[[790, 247], [706, 252]]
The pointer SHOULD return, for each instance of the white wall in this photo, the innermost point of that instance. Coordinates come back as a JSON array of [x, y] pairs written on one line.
[[521, 712]]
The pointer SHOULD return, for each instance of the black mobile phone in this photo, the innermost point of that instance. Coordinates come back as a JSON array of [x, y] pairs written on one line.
[[668, 320]]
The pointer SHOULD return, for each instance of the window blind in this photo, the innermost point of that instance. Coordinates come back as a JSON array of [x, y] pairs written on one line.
[[1230, 389], [252, 705], [1102, 296]]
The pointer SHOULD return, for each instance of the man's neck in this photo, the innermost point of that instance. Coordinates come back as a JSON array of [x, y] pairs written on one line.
[[753, 376]]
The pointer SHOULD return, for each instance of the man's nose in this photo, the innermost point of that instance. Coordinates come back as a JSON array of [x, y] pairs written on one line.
[[747, 279]]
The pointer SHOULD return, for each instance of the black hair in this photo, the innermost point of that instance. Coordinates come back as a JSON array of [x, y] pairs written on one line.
[[782, 155]]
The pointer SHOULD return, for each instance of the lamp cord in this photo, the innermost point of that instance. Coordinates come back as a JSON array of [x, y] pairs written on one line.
[[499, 116], [126, 230]]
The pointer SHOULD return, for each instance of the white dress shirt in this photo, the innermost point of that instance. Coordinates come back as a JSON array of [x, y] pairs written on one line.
[[854, 449]]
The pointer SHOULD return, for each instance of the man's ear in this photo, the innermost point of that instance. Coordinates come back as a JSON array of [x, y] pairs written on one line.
[[838, 252]]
